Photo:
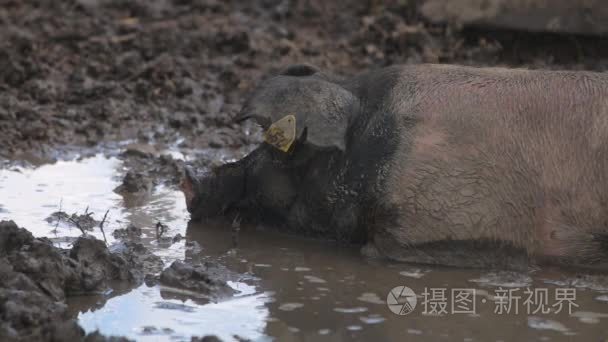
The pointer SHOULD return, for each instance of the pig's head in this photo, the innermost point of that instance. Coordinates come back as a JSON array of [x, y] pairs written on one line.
[[320, 107], [305, 116]]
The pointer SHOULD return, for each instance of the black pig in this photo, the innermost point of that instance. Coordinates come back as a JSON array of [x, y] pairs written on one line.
[[428, 163]]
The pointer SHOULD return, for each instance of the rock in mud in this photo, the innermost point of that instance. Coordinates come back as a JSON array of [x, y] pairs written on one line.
[[208, 280], [139, 258], [135, 182], [58, 331], [84, 221], [146, 171], [36, 277], [177, 238], [97, 337], [130, 233], [140, 150], [58, 216], [127, 261], [210, 338]]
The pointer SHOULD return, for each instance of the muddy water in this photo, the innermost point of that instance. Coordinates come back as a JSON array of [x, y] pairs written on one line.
[[291, 289]]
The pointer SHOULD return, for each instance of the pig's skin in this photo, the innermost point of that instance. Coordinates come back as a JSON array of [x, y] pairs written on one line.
[[431, 158]]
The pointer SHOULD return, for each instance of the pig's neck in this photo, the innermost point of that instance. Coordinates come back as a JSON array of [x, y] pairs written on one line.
[[355, 181]]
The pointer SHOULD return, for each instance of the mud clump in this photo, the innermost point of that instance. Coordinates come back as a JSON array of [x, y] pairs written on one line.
[[208, 280], [58, 216], [147, 170], [177, 238], [36, 277], [83, 221], [135, 182], [205, 339], [130, 233], [127, 261]]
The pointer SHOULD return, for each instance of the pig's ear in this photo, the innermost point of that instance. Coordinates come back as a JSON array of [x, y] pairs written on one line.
[[299, 70], [325, 125]]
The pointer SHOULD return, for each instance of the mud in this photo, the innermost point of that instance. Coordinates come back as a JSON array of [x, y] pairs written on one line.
[[37, 277], [566, 16], [156, 84], [82, 221], [206, 281], [80, 73], [129, 233], [134, 183]]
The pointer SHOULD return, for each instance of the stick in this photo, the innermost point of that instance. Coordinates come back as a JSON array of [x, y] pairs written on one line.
[[101, 226], [59, 211], [87, 213], [77, 224], [160, 230]]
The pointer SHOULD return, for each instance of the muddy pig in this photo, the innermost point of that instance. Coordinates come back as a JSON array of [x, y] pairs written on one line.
[[428, 163]]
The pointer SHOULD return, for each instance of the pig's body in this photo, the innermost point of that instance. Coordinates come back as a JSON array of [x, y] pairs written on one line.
[[440, 157]]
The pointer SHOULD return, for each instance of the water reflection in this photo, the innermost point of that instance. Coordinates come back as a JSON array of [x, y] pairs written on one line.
[[327, 292], [145, 314], [30, 195]]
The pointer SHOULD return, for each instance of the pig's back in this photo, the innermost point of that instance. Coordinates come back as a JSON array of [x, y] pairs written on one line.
[[500, 154]]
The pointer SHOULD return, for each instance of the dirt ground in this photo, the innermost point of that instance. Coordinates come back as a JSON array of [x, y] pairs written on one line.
[[82, 72]]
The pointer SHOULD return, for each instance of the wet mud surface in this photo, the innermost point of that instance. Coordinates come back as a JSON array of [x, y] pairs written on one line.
[[102, 102]]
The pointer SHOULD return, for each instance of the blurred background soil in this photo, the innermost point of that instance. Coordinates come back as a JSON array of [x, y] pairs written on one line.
[[82, 72]]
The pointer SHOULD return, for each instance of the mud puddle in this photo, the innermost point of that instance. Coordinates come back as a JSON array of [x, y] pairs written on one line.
[[289, 289]]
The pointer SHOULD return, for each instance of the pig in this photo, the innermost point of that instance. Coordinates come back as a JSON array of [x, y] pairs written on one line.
[[434, 164]]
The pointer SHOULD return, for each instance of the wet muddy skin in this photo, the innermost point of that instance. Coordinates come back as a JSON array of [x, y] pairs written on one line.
[[287, 288]]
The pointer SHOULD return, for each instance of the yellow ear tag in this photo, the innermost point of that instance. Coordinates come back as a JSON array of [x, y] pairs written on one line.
[[282, 133]]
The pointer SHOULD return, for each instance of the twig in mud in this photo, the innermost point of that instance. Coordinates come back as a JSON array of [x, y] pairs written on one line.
[[58, 219], [160, 230], [101, 226], [77, 224], [236, 227]]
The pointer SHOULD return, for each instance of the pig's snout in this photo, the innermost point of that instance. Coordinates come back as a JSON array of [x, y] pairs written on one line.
[[211, 192], [190, 186]]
